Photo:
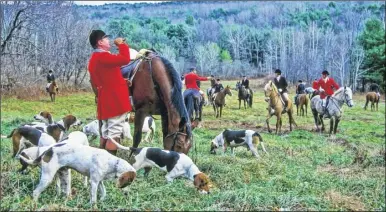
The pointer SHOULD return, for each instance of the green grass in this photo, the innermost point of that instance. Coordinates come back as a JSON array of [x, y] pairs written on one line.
[[304, 170]]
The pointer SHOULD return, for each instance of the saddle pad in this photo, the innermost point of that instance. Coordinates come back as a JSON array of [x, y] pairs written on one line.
[[126, 70]]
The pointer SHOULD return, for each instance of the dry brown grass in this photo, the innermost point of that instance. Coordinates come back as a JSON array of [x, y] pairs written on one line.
[[341, 201]]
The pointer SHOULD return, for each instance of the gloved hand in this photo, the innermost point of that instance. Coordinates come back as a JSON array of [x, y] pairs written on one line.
[[119, 41], [280, 90]]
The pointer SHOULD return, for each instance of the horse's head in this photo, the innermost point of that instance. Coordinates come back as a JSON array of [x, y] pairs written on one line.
[[344, 94], [228, 91], [179, 141], [269, 88]]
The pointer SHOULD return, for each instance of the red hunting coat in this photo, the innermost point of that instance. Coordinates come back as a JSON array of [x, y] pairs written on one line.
[[327, 86], [105, 74], [190, 80]]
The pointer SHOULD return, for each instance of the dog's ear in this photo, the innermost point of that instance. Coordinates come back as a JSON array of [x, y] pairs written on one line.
[[50, 121], [61, 127]]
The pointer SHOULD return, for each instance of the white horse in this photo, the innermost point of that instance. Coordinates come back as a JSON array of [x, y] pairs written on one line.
[[333, 111]]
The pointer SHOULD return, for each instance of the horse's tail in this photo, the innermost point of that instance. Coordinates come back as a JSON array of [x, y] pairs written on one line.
[[189, 105], [10, 135]]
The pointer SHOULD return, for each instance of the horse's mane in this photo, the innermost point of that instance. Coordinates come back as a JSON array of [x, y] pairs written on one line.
[[272, 85], [337, 92], [177, 98]]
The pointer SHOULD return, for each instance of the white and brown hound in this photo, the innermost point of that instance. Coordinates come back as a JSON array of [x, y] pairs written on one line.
[[247, 138], [97, 164], [174, 163], [23, 137]]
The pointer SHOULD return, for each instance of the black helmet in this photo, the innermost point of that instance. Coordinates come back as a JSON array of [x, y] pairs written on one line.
[[192, 68], [277, 71], [50, 71], [218, 79], [300, 81], [325, 72]]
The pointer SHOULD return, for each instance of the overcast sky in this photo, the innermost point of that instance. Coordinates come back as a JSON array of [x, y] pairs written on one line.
[[107, 2]]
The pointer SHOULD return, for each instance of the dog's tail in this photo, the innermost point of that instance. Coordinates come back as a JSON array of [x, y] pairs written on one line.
[[256, 137], [135, 150], [48, 152], [10, 135]]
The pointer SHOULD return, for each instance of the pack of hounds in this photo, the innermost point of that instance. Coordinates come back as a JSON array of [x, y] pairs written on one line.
[[49, 145]]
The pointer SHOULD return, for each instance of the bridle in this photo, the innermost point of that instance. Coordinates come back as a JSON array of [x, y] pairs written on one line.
[[175, 134]]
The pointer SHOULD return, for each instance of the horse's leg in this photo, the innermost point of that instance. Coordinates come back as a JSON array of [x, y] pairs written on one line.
[[245, 104], [337, 120], [290, 119], [367, 101], [315, 114], [331, 124], [214, 109], [277, 123], [267, 121], [239, 103], [297, 110], [321, 121], [138, 124], [220, 111]]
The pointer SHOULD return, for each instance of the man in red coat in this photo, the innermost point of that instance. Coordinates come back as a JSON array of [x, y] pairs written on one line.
[[111, 89], [191, 86], [325, 85]]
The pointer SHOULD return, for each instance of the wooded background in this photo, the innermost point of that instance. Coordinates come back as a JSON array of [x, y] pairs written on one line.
[[227, 39]]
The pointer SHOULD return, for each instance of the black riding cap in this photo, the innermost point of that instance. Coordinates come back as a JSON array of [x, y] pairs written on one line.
[[325, 72], [277, 71], [218, 79], [192, 68], [300, 81], [95, 36]]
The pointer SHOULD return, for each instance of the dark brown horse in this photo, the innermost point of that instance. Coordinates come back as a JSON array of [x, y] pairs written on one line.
[[53, 90], [156, 90]]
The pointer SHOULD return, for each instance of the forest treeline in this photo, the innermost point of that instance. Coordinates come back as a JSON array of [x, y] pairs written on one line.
[[226, 39]]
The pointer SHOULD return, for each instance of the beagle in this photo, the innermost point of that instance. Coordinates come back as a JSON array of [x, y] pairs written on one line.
[[247, 138], [175, 163], [95, 163], [45, 117], [22, 137], [57, 132], [148, 126]]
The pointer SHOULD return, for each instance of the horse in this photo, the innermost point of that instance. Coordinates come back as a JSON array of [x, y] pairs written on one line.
[[219, 101], [157, 90], [341, 96], [194, 105], [243, 95], [276, 107], [374, 99], [53, 90], [302, 101]]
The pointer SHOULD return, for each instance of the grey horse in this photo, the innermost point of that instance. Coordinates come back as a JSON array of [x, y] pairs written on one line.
[[333, 111]]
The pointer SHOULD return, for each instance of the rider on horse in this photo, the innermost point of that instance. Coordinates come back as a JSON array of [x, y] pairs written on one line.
[[300, 89], [217, 88], [281, 84], [245, 82], [191, 85], [50, 79], [325, 86], [375, 88]]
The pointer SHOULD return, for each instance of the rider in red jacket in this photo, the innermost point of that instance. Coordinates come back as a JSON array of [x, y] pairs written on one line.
[[325, 86], [191, 86]]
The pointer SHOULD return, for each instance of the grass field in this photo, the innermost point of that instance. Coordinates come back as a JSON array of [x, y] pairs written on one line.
[[305, 170]]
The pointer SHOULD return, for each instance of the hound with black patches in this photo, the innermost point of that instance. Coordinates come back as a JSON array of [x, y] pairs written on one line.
[[44, 116], [57, 132], [23, 137], [95, 163], [247, 138], [174, 163], [92, 129]]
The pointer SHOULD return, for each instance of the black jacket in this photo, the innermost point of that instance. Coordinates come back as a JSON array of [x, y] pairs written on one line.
[[282, 84], [300, 89], [245, 83], [218, 88], [50, 78]]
